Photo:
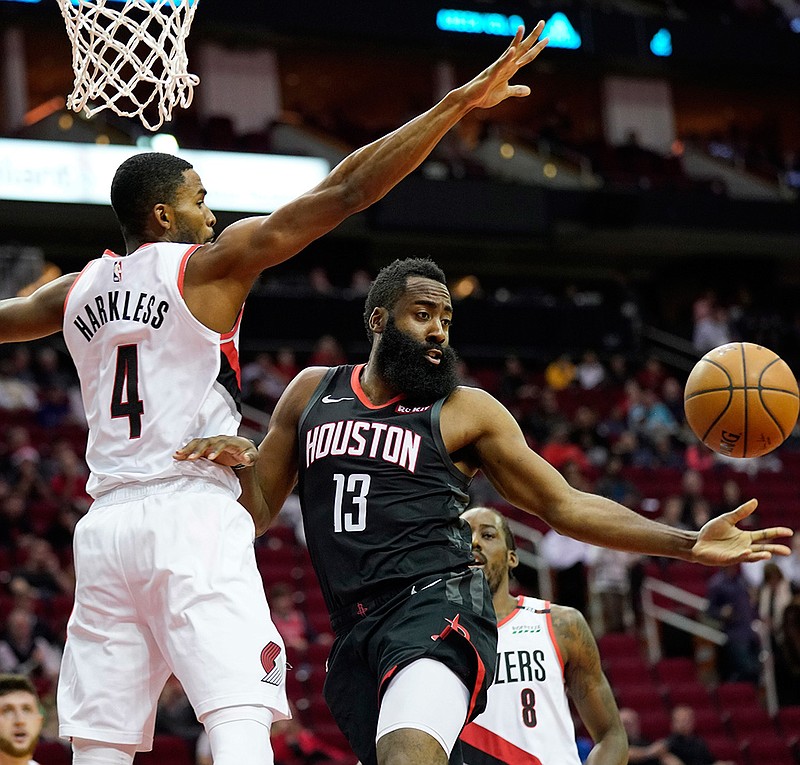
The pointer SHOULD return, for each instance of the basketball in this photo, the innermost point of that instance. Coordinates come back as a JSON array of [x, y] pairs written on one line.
[[741, 400]]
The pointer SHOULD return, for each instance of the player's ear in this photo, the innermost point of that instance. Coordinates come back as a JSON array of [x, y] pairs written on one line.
[[163, 215], [378, 319], [513, 560]]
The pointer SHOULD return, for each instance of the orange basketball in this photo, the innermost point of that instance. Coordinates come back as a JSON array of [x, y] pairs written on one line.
[[741, 400]]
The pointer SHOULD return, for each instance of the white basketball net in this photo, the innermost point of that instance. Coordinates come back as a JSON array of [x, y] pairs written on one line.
[[130, 57]]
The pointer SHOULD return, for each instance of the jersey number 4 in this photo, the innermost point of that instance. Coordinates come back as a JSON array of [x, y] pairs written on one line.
[[350, 502], [125, 401]]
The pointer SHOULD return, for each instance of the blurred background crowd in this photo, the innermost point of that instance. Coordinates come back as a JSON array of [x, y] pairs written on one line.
[[599, 237]]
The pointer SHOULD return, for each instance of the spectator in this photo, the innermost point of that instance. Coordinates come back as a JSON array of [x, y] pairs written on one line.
[[614, 485], [559, 374], [693, 486], [610, 577], [16, 394], [327, 352], [731, 608], [289, 620], [20, 720], [68, 484], [590, 373], [642, 751], [652, 375], [42, 570], [790, 565], [712, 330], [585, 434], [699, 457], [558, 450], [25, 653], [790, 689], [61, 530], [685, 744], [566, 558], [15, 526]]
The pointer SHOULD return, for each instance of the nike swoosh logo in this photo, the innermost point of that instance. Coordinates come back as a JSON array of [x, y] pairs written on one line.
[[329, 400], [414, 589]]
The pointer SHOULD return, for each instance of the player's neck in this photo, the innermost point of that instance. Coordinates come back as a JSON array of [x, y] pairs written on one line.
[[376, 389], [504, 603]]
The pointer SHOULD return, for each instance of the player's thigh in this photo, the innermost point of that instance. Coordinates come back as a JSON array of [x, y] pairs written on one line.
[[211, 617], [112, 671]]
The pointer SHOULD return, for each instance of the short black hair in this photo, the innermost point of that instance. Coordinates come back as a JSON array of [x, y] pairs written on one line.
[[390, 284], [12, 683], [140, 183]]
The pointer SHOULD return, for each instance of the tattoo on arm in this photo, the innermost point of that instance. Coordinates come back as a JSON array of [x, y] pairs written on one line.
[[579, 651]]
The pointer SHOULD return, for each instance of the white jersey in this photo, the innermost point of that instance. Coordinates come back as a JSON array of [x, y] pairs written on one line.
[[152, 376], [527, 719]]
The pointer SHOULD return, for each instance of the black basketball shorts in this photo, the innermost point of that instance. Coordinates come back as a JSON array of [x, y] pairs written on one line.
[[449, 618]]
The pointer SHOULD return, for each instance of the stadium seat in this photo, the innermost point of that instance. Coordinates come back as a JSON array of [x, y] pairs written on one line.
[[723, 747], [769, 748], [737, 695], [692, 693], [789, 722], [654, 723], [676, 669]]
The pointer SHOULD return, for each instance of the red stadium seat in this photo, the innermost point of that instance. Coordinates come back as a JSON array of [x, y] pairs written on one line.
[[723, 747], [770, 748], [676, 670], [654, 724], [736, 695], [692, 693], [789, 722]]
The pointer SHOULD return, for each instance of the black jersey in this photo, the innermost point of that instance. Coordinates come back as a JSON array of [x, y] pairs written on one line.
[[381, 497]]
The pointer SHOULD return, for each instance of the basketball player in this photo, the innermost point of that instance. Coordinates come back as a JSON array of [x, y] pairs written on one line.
[[166, 574], [544, 652], [385, 452], [21, 720]]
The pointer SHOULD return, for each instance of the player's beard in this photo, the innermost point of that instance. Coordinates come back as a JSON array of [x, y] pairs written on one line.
[[8, 747], [403, 364]]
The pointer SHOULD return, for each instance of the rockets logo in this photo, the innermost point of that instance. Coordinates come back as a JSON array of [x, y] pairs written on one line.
[[271, 666], [453, 625], [117, 271]]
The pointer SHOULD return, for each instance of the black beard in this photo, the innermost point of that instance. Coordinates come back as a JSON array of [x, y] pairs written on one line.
[[403, 364]]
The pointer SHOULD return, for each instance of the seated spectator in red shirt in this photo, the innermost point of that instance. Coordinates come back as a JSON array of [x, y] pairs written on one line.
[[558, 450]]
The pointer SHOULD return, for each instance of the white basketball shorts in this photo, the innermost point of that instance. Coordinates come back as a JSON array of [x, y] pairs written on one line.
[[166, 583]]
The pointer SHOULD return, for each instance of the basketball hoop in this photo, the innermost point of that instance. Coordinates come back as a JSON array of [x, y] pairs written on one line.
[[130, 58]]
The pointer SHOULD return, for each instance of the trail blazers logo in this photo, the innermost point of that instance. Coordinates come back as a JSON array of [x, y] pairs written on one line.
[[269, 660]]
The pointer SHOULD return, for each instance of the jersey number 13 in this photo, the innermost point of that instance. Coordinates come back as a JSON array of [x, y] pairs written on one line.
[[350, 502]]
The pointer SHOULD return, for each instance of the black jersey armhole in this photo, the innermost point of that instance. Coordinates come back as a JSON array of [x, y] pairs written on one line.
[[322, 386], [436, 431]]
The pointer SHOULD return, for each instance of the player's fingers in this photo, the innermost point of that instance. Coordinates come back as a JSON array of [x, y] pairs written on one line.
[[741, 512], [518, 91], [765, 552], [528, 42], [771, 533], [533, 53]]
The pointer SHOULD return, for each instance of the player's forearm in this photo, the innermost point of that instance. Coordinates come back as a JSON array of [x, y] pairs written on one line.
[[252, 499], [612, 749], [605, 523]]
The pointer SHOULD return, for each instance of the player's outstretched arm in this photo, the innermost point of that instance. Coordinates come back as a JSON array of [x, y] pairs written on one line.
[[35, 316], [528, 482], [246, 248], [589, 688]]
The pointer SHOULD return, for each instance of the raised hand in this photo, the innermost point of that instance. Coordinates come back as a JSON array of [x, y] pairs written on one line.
[[720, 542], [491, 86], [232, 451]]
